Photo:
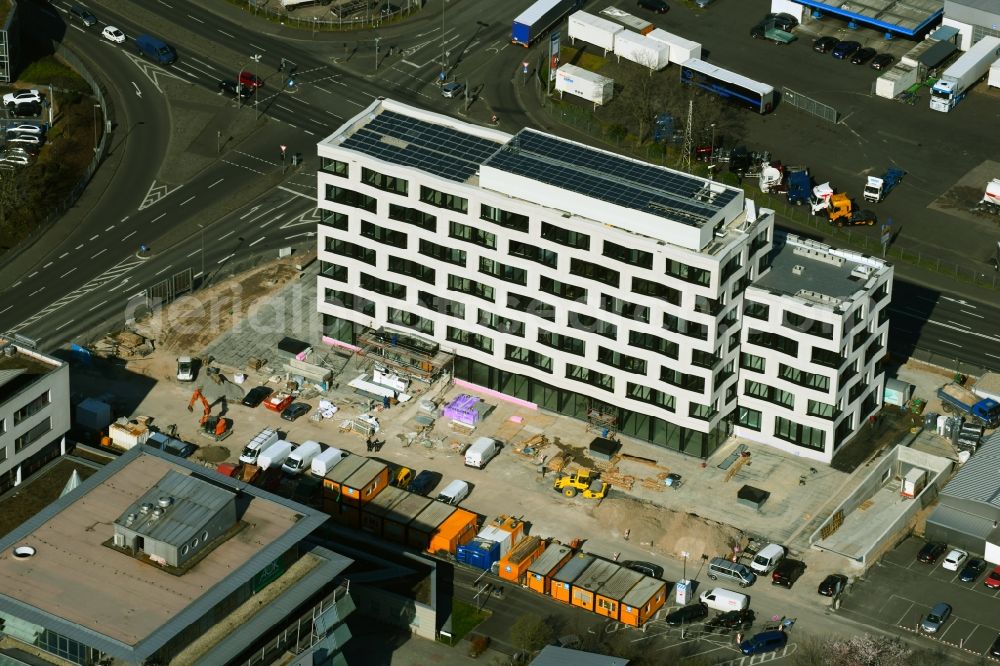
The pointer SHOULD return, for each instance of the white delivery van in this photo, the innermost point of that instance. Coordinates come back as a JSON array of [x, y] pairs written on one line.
[[721, 599], [454, 492], [261, 441], [324, 462], [480, 452], [275, 455], [301, 458], [767, 558]]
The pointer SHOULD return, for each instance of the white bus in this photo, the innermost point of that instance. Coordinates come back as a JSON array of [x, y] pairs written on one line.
[[758, 96]]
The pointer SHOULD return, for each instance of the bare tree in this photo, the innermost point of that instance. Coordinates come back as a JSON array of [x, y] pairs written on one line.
[[643, 96]]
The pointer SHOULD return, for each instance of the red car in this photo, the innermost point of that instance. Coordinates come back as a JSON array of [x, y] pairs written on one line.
[[250, 80], [992, 579]]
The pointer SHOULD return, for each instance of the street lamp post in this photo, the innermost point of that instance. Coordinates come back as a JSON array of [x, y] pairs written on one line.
[[202, 253], [96, 107], [713, 142]]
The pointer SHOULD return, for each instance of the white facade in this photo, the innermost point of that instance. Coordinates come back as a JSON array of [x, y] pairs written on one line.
[[814, 329], [540, 288], [34, 411]]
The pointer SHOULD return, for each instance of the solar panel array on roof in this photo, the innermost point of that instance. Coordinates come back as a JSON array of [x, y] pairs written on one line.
[[668, 194], [408, 141]]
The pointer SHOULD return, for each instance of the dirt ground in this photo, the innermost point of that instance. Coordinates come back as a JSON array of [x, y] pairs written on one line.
[[40, 491]]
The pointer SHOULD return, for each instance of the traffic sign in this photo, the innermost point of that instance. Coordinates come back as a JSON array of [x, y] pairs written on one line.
[[283, 149], [524, 67]]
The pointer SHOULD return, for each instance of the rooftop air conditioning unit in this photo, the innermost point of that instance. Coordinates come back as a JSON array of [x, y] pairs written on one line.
[[798, 269]]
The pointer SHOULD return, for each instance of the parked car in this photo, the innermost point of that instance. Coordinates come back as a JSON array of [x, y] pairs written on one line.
[[845, 50], [295, 410], [787, 572], [646, 568], [737, 619], [824, 44], [972, 569], [113, 34], [882, 61], [29, 139], [833, 585], [687, 615], [25, 128], [256, 395], [658, 6], [703, 3], [23, 149], [931, 551], [452, 89], [782, 21], [863, 55], [250, 80], [992, 579], [938, 616], [954, 559], [766, 641], [995, 648], [231, 88], [19, 96], [83, 14], [17, 160], [25, 109], [424, 482]]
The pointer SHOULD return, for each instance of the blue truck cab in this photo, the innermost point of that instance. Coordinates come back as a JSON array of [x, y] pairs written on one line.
[[799, 187], [156, 49]]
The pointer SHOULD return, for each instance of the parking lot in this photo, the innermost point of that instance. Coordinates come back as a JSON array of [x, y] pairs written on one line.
[[898, 593]]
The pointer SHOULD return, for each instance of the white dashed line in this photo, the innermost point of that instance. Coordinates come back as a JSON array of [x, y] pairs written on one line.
[[99, 253], [226, 34], [216, 183], [158, 217], [47, 265], [129, 236], [64, 254], [228, 256], [163, 269], [110, 228], [195, 18], [256, 241], [97, 306], [187, 200], [65, 325], [227, 235], [95, 237], [68, 272], [260, 48]]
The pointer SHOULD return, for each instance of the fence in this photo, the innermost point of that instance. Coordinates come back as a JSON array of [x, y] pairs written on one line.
[[60, 209], [332, 16], [809, 105]]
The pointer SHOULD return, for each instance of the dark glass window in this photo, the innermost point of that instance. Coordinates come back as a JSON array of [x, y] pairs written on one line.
[[332, 166], [621, 361], [653, 343], [345, 249], [474, 340], [413, 216], [410, 320], [748, 418], [583, 322], [441, 304], [533, 253], [351, 301], [656, 290], [550, 232], [384, 182], [383, 287], [382, 235], [570, 292], [472, 235], [628, 255], [563, 342], [755, 309], [588, 376], [502, 324], [531, 306], [796, 433], [412, 269], [333, 219], [504, 218], [528, 357], [682, 380], [769, 393], [443, 200], [442, 253], [649, 395], [503, 271], [803, 378], [625, 309], [687, 273], [351, 198], [594, 271], [333, 271], [471, 287], [778, 343]]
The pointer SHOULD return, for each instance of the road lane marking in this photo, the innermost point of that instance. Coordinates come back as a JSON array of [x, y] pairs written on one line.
[[226, 33], [68, 272], [157, 218], [99, 253], [285, 108], [215, 183], [196, 275], [95, 236], [957, 324], [97, 306], [33, 274], [163, 269], [273, 219], [187, 200], [949, 342], [78, 246], [991, 355], [35, 292], [64, 254], [972, 314], [227, 235], [165, 4], [195, 18], [259, 48], [6, 308], [110, 228], [129, 236], [228, 256], [298, 194], [256, 241], [47, 265], [16, 283], [65, 325]]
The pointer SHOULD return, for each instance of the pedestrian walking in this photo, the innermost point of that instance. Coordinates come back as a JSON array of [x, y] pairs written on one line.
[[739, 637]]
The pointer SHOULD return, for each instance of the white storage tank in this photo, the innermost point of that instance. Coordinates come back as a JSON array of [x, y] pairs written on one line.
[[583, 83], [593, 30], [642, 50]]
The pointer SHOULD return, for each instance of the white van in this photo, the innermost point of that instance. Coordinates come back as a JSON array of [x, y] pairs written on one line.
[[261, 441], [454, 492], [324, 462], [480, 452], [767, 558], [724, 600], [274, 455], [301, 458]]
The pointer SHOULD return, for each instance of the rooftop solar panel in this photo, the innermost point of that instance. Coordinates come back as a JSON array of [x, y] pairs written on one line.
[[610, 178], [408, 141]]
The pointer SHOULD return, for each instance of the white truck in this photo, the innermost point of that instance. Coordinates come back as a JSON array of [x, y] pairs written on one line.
[[325, 461], [583, 83], [681, 50], [481, 452], [820, 199], [275, 455], [301, 458], [642, 50], [261, 441], [913, 483], [991, 197], [956, 81], [593, 30]]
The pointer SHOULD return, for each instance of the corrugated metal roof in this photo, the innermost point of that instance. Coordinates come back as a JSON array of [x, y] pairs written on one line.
[[573, 568], [342, 470], [553, 655], [643, 591], [596, 575], [982, 5], [193, 503], [978, 479], [960, 521], [620, 584], [548, 560]]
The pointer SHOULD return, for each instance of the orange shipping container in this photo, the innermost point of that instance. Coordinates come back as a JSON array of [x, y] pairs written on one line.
[[539, 575], [586, 585], [458, 529], [562, 581], [609, 597], [642, 601], [515, 565], [421, 529]]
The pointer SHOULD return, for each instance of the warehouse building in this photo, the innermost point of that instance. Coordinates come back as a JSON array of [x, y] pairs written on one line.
[[974, 20], [559, 275]]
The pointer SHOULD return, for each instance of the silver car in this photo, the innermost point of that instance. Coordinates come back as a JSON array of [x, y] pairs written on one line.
[[452, 89], [938, 615]]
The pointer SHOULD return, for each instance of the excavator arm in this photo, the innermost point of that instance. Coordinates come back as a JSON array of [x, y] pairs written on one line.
[[195, 397]]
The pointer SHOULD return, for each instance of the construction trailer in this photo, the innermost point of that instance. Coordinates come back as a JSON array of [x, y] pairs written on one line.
[[355, 481], [540, 573], [609, 596], [374, 513], [422, 529], [455, 530], [396, 522], [642, 50], [562, 582], [642, 601], [514, 567], [584, 589]]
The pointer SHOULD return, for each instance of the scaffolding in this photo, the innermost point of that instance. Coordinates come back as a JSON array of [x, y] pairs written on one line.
[[404, 354], [602, 419]]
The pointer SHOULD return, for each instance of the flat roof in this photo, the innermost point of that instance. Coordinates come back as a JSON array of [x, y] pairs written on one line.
[[658, 191], [570, 571], [365, 474], [431, 518], [550, 557], [620, 584], [642, 592], [834, 274], [902, 17], [345, 468], [385, 501], [409, 508], [596, 575], [76, 586], [21, 367], [553, 655]]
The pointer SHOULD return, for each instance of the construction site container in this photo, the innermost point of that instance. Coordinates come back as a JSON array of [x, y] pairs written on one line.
[[582, 83], [515, 565], [505, 530], [374, 512], [642, 50], [356, 480], [342, 514], [480, 553], [542, 570], [897, 80], [325, 461], [93, 414], [593, 30], [642, 601], [125, 435], [422, 529], [623, 18], [457, 529], [681, 50], [608, 601], [227, 469], [398, 519], [585, 587], [562, 581]]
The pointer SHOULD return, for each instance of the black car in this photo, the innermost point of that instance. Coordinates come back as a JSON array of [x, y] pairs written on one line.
[[256, 395], [833, 585], [646, 568], [882, 61], [787, 572], [295, 410], [658, 6], [25, 110], [931, 551], [687, 615], [782, 21], [424, 482], [83, 14], [863, 56], [972, 570], [737, 619], [824, 44], [844, 50], [231, 88]]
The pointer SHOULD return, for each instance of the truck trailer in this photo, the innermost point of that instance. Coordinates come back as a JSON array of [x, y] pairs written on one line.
[[538, 18], [642, 50], [583, 83], [956, 81], [994, 79], [956, 399], [681, 50], [623, 18], [593, 30]]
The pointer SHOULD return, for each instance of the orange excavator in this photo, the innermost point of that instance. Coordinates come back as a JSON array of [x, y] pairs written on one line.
[[213, 426]]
